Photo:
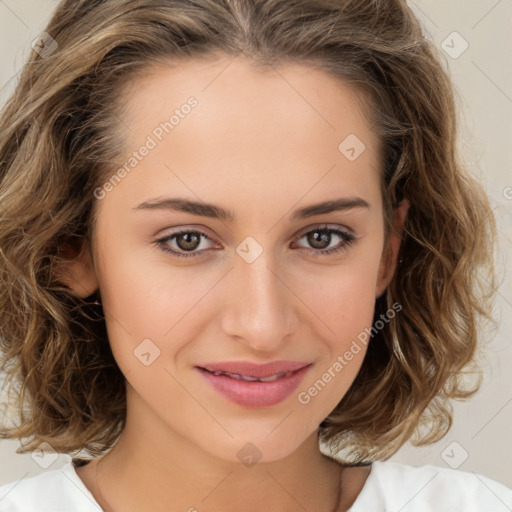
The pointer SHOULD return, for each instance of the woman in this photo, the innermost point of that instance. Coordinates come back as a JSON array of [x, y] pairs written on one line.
[[231, 230]]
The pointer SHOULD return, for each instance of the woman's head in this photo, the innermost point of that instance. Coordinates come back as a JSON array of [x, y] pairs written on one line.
[[262, 108]]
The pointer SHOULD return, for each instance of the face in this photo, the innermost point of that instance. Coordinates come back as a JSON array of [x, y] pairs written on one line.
[[271, 279]]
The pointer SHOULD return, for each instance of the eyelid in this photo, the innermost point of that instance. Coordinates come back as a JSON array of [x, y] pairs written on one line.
[[323, 225]]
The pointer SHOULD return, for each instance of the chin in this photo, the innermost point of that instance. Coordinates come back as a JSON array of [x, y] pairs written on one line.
[[249, 446]]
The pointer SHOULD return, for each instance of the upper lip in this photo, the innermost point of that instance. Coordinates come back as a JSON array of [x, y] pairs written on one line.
[[249, 369]]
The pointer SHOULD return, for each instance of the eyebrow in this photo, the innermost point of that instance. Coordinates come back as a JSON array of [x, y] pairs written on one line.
[[217, 212]]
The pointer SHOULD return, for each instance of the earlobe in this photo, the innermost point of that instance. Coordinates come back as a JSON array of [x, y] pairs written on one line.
[[390, 254], [75, 269]]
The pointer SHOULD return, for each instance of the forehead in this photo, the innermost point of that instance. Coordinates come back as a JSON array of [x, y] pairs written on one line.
[[292, 127], [291, 96]]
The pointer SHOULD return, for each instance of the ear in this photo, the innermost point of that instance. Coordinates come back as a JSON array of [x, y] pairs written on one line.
[[390, 252], [75, 268]]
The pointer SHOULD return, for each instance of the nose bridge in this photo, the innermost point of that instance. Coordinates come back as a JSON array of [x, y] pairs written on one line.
[[260, 306]]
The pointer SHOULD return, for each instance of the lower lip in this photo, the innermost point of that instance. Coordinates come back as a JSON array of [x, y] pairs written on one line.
[[255, 394]]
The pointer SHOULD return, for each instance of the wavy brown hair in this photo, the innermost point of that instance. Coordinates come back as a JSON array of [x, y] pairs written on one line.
[[60, 138]]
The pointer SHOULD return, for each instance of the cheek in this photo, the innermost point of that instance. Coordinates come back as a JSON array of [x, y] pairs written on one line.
[[146, 299], [129, 300], [343, 296], [140, 291], [343, 302]]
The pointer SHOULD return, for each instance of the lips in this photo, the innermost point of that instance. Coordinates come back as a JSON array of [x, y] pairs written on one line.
[[253, 385]]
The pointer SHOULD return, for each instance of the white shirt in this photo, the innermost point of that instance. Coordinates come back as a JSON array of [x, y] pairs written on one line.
[[389, 487]]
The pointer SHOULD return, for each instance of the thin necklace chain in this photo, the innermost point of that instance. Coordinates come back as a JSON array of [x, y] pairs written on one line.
[[335, 509]]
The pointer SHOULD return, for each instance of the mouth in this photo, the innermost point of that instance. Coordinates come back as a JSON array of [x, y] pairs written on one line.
[[249, 390]]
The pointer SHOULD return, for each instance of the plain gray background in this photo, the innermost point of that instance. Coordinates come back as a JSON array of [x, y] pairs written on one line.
[[479, 440]]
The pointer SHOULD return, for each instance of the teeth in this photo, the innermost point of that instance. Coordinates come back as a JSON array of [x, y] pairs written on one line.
[[237, 376], [274, 377], [247, 378]]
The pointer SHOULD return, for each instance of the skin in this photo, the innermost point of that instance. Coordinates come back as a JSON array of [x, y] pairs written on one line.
[[260, 144]]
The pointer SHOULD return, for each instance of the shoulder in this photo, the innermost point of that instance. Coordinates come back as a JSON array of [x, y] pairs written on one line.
[[57, 490], [394, 486]]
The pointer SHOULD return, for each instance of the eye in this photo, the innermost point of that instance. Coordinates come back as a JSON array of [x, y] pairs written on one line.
[[187, 242], [321, 237]]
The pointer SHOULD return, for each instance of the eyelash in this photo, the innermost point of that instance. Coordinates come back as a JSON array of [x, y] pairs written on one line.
[[348, 239]]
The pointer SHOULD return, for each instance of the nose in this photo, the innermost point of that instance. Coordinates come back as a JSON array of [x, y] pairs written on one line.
[[259, 304]]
